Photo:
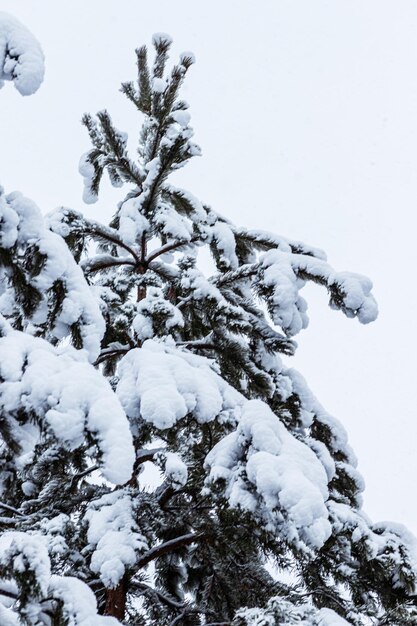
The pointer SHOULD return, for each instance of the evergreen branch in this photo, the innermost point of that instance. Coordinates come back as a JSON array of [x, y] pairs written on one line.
[[268, 241], [197, 611], [81, 225], [118, 149], [198, 345], [108, 353], [7, 521], [3, 505], [169, 247], [179, 617], [8, 594], [144, 80], [168, 546], [164, 270], [81, 475], [147, 455], [104, 261], [245, 271], [163, 598]]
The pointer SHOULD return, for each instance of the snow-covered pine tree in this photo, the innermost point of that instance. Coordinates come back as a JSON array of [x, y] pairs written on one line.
[[256, 518]]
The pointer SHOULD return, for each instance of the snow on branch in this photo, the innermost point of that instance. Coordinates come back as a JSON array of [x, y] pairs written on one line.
[[40, 274], [267, 472], [24, 560], [21, 57], [161, 385], [113, 536], [41, 382]]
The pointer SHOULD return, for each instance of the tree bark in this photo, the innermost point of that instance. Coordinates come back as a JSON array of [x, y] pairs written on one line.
[[116, 601]]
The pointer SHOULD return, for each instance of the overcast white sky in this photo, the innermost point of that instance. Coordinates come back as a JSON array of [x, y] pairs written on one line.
[[306, 111]]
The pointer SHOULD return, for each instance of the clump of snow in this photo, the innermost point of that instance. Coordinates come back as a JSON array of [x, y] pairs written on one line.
[[8, 617], [132, 224], [26, 553], [188, 57], [158, 38], [181, 117], [23, 225], [114, 536], [161, 385], [46, 381], [156, 306], [21, 57], [226, 243], [79, 604], [172, 224], [284, 274], [289, 613], [159, 85], [87, 171], [327, 617], [175, 470], [269, 473]]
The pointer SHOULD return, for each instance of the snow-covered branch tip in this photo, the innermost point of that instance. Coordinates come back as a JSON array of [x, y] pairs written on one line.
[[21, 57]]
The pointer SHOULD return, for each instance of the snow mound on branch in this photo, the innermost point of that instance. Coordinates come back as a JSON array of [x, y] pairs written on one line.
[[22, 225], [79, 604], [26, 553], [21, 57], [175, 470], [114, 534], [288, 613], [269, 473], [8, 617], [284, 274], [264, 469], [87, 171], [161, 385], [68, 395]]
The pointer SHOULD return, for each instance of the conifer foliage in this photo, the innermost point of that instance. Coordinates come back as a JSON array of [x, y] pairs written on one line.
[[256, 516]]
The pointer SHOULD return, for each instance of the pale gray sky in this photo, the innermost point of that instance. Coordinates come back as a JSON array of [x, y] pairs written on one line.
[[306, 111]]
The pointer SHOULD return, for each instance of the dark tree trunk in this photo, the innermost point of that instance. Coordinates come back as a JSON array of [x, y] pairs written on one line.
[[116, 601]]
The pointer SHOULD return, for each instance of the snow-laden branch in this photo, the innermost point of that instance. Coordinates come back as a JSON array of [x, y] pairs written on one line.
[[21, 57], [68, 398]]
